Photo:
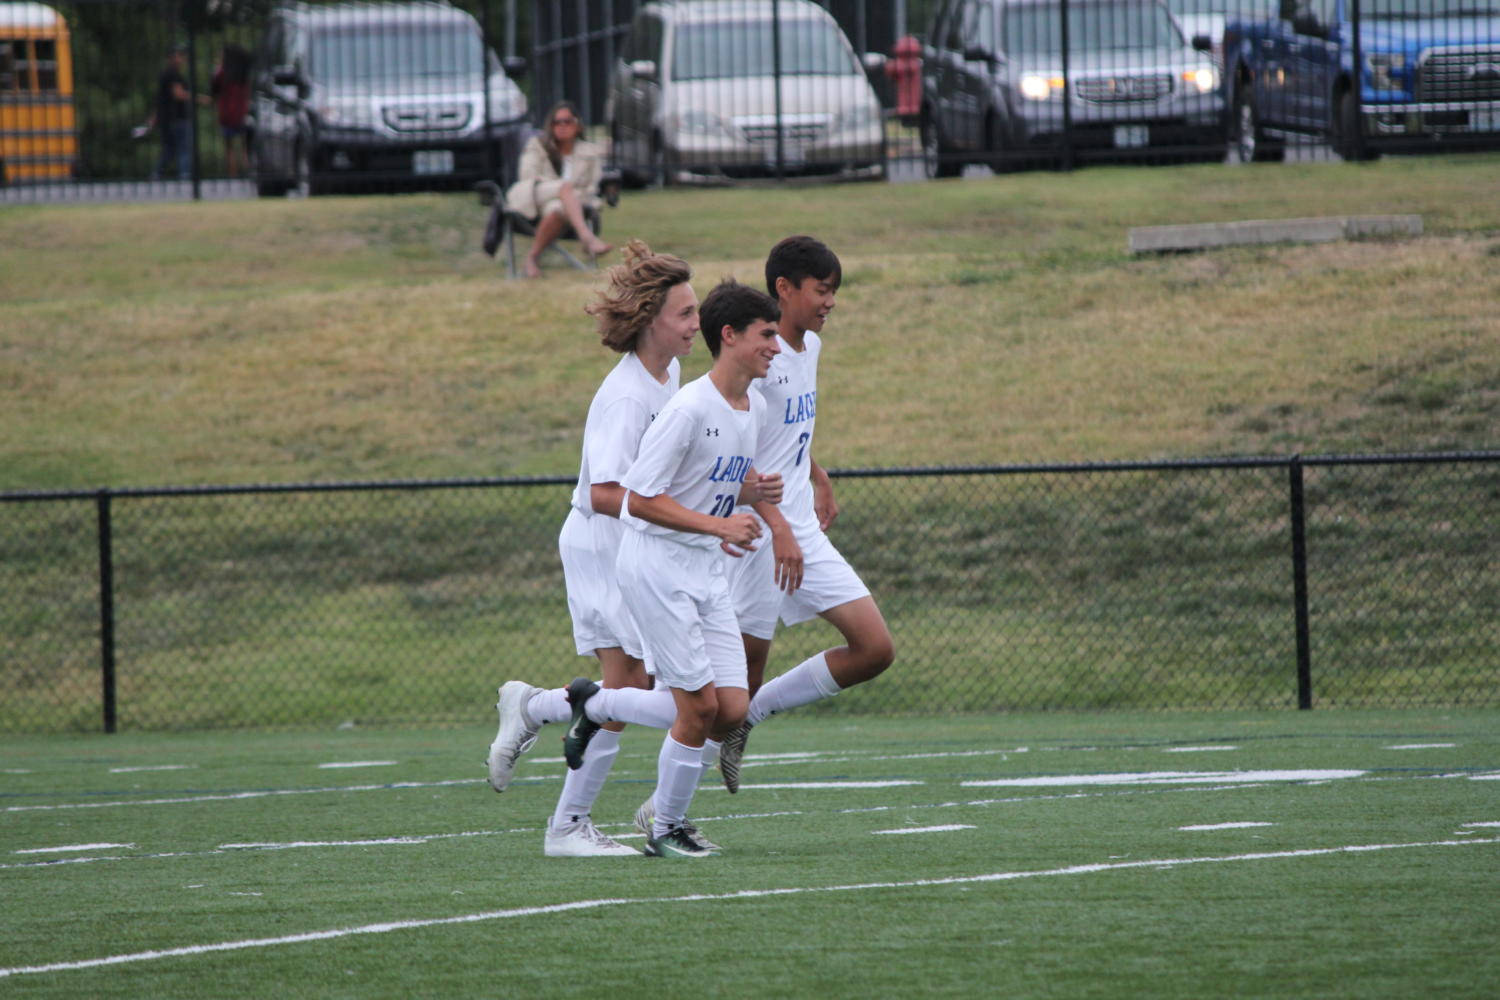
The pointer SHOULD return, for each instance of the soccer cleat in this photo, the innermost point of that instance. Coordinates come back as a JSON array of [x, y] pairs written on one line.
[[516, 734], [646, 814], [731, 754], [582, 839], [679, 842], [581, 729]]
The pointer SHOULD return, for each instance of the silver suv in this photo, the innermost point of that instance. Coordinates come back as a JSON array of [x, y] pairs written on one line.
[[695, 96], [386, 93]]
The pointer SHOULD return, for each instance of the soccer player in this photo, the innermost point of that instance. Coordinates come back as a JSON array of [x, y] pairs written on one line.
[[800, 574], [692, 470], [648, 313]]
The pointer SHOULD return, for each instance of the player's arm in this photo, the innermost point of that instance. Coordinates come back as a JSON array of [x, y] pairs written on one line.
[[607, 498], [824, 505], [784, 547], [737, 529]]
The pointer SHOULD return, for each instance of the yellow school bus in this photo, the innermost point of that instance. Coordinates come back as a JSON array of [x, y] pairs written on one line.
[[38, 124]]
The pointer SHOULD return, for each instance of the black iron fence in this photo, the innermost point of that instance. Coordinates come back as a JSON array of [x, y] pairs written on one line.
[[355, 98], [1231, 584]]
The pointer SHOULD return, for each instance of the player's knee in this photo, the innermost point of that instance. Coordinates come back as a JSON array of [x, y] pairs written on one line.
[[875, 653]]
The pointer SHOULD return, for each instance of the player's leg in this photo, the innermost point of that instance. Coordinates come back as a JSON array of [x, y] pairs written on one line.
[[571, 831]]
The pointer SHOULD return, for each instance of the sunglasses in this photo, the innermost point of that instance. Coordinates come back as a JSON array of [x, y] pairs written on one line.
[[565, 121]]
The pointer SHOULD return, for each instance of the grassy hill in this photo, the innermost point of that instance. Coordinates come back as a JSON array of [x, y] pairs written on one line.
[[995, 320]]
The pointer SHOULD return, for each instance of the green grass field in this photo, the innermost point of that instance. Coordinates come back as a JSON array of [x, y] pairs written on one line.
[[1327, 854]]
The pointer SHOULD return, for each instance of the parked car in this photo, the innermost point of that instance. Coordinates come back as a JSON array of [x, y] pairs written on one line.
[[403, 93], [696, 95], [996, 78], [1429, 77], [1208, 18]]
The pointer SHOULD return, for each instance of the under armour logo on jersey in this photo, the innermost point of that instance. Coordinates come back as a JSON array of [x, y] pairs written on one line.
[[712, 432], [783, 379]]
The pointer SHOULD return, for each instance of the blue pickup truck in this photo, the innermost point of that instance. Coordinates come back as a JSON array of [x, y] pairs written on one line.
[[1429, 76]]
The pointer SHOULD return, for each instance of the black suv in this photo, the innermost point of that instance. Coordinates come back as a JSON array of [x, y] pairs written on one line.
[[995, 79], [402, 93]]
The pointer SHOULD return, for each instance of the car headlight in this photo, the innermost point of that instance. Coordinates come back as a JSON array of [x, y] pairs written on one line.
[[1040, 88], [1203, 80], [703, 123], [347, 114], [859, 116], [1384, 66]]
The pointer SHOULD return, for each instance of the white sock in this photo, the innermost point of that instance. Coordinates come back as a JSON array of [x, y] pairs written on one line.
[[550, 705], [807, 682], [710, 754], [678, 768], [655, 708], [582, 787]]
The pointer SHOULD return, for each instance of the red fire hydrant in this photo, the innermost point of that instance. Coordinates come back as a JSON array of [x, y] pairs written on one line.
[[904, 67]]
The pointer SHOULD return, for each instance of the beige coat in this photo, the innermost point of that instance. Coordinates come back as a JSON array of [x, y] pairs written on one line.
[[536, 193]]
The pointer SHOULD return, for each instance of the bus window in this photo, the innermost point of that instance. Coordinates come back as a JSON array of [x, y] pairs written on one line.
[[38, 126]]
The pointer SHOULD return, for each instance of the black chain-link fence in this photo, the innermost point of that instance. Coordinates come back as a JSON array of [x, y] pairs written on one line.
[[1237, 584], [363, 97]]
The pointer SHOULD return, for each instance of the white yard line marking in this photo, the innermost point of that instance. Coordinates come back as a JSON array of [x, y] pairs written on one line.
[[1486, 823], [75, 847], [357, 763], [1164, 778], [152, 767], [1422, 746], [829, 784], [1484, 777], [1196, 749], [1224, 826], [925, 829], [237, 796], [743, 894]]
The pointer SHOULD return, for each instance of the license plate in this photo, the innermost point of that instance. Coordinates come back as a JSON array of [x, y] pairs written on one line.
[[1484, 120], [432, 161], [1132, 136], [793, 157]]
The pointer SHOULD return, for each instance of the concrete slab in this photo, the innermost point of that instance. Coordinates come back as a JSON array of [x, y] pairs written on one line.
[[1207, 236]]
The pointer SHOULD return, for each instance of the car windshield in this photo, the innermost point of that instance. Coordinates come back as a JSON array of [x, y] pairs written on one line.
[[369, 53], [719, 50], [1092, 27], [1415, 9]]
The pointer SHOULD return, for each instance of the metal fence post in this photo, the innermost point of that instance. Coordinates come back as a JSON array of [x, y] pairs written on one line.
[[1067, 94], [106, 608], [776, 84], [1299, 584]]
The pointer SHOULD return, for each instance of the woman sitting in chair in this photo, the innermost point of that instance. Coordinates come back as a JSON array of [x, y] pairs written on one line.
[[559, 182]]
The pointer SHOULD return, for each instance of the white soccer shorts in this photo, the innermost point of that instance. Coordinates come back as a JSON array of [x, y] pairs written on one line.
[[679, 597], [588, 546], [827, 581]]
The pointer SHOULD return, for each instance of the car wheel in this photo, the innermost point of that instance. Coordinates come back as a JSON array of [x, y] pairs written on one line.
[[1247, 143], [935, 162], [630, 174], [1346, 128], [265, 186], [306, 182], [663, 165]]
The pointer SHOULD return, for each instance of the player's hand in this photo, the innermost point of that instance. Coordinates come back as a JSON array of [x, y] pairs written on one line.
[[769, 486], [788, 561], [740, 530], [824, 505]]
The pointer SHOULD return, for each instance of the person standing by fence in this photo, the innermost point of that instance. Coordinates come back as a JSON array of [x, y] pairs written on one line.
[[230, 91], [171, 116]]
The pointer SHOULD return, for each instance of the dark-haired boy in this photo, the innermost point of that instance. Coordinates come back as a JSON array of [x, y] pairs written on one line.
[[800, 575]]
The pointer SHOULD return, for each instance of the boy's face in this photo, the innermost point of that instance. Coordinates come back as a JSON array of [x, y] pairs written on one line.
[[677, 323], [807, 305], [752, 348]]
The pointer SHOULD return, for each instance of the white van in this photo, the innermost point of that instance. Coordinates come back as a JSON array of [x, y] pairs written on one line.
[[694, 95]]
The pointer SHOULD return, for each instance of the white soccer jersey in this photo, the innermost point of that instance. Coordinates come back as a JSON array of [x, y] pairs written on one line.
[[784, 445], [628, 400], [697, 451]]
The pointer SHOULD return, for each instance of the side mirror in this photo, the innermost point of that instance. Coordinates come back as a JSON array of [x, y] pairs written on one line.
[[287, 76], [515, 66], [977, 53], [643, 69], [874, 62], [1203, 43]]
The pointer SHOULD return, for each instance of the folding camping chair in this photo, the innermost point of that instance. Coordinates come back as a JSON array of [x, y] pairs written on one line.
[[504, 225]]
